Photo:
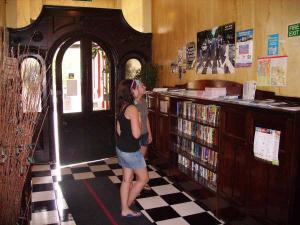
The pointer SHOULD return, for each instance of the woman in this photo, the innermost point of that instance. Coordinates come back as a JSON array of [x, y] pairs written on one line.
[[128, 150], [146, 135]]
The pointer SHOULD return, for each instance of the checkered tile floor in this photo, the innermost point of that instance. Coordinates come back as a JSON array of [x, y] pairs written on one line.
[[165, 204]]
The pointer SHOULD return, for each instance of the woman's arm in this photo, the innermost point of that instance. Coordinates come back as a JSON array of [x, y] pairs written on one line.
[[118, 128], [149, 131], [132, 114]]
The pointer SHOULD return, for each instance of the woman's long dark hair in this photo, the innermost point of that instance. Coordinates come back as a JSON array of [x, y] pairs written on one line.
[[124, 94]]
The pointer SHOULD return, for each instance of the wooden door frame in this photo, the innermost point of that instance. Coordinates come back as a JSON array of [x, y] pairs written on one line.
[[56, 24], [86, 76]]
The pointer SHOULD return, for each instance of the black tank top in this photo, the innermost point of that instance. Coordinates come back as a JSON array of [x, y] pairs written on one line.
[[126, 142]]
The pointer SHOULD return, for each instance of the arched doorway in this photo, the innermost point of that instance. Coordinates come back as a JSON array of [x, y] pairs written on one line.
[[53, 31], [84, 81]]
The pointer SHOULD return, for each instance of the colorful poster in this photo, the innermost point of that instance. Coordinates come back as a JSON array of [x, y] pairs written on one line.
[[271, 71], [266, 144], [244, 48], [273, 41], [216, 50]]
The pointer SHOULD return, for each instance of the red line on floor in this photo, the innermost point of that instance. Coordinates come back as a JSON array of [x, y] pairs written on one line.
[[100, 203]]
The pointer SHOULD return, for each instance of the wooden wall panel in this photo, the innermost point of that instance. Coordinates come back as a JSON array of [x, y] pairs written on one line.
[[175, 22]]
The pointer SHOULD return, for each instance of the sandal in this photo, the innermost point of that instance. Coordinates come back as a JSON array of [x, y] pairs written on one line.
[[147, 187], [133, 214]]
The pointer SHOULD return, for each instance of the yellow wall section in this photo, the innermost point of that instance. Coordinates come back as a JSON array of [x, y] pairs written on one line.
[[175, 22], [136, 12], [2, 13], [30, 9], [132, 11]]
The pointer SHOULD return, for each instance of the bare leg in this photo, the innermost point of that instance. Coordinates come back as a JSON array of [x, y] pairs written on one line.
[[143, 150], [142, 179], [125, 189]]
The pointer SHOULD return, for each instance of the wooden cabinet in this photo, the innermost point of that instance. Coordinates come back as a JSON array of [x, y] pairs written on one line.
[[162, 135], [152, 105], [158, 106], [233, 154], [269, 186], [263, 189], [267, 192]]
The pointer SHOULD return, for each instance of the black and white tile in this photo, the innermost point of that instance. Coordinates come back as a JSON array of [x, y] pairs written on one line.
[[164, 204]]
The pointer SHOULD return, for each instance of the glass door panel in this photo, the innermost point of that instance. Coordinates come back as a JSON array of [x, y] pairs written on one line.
[[101, 79], [71, 79], [30, 73]]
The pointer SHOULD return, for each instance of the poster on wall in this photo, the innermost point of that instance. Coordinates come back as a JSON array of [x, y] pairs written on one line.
[[181, 61], [216, 50], [244, 48], [190, 55], [174, 67], [273, 41], [271, 71]]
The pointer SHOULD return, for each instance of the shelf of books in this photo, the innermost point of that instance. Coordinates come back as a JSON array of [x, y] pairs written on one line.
[[194, 140]]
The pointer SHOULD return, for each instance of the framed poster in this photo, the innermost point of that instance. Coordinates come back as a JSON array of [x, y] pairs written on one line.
[[216, 50]]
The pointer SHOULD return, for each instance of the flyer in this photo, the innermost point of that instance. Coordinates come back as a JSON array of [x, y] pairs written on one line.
[[244, 49], [266, 144], [273, 44]]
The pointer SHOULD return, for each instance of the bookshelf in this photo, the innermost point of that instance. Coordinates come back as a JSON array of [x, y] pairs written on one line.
[[194, 140], [215, 149]]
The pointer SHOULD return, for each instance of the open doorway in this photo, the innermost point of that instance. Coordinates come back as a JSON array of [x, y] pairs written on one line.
[[82, 84]]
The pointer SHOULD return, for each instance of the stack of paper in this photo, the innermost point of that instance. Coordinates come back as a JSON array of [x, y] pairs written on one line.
[[213, 92]]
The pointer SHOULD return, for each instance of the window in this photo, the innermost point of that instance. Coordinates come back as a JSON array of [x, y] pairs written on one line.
[[132, 67]]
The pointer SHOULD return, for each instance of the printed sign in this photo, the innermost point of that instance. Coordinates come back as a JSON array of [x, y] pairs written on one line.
[[273, 44], [294, 30]]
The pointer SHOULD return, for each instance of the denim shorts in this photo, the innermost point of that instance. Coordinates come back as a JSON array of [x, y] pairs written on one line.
[[144, 140], [133, 160]]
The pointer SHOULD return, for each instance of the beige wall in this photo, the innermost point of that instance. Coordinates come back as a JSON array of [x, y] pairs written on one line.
[[136, 12], [21, 11], [2, 13], [175, 22]]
